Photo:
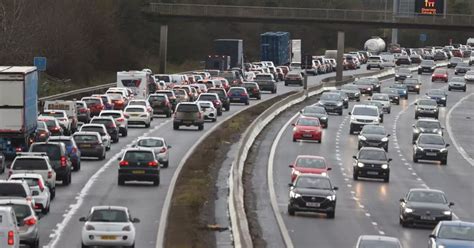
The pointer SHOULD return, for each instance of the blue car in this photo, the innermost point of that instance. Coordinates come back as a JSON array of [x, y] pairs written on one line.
[[402, 90], [71, 149], [455, 234], [238, 95]]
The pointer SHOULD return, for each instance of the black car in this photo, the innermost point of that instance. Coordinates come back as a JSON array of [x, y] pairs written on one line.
[[138, 164], [371, 162], [345, 97], [375, 83], [365, 87], [332, 102], [90, 144], [426, 108], [438, 95], [415, 59], [393, 94], [427, 66], [352, 91], [462, 68], [110, 125], [424, 207], [214, 98], [312, 193], [222, 95], [379, 105], [413, 85], [426, 125], [253, 90], [457, 83], [160, 104], [430, 147], [453, 62], [402, 74], [58, 158], [317, 112], [403, 60], [373, 136]]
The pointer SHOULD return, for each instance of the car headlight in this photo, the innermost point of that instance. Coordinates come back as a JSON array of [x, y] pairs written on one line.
[[324, 174], [384, 139], [331, 197], [363, 138], [369, 88], [408, 210], [419, 148], [294, 195], [297, 172], [435, 110], [416, 131], [396, 75], [360, 164], [295, 129], [323, 118], [417, 86], [439, 132], [339, 104], [385, 166], [396, 97], [447, 212], [443, 98], [443, 150]]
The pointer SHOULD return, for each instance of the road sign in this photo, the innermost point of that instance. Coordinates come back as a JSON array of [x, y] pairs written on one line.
[[423, 37], [40, 63], [430, 7]]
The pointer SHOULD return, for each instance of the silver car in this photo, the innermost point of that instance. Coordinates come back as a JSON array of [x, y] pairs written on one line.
[[159, 146], [210, 113], [27, 221], [9, 228], [377, 241], [39, 191], [384, 99], [99, 128]]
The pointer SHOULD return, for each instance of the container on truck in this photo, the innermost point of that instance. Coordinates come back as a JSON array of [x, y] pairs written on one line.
[[141, 83], [218, 62], [375, 45], [18, 108], [231, 47], [275, 46]]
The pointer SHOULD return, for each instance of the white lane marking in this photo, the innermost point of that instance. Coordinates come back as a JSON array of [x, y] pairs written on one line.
[[73, 208], [271, 184], [451, 135]]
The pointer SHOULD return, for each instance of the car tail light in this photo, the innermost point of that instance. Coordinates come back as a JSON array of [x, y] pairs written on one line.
[[50, 174], [163, 150], [18, 149], [123, 163], [153, 163], [37, 206], [74, 150], [89, 228], [243, 94], [120, 119], [30, 221], [63, 161], [200, 115], [82, 110], [11, 238]]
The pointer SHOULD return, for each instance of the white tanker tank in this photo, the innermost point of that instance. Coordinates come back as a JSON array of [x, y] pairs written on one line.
[[375, 45]]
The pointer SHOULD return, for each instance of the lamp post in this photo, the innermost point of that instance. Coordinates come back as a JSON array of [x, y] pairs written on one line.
[[395, 30]]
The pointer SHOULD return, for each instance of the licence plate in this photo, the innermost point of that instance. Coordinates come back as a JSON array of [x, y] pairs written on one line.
[[107, 237], [134, 114], [138, 172], [307, 135], [427, 218], [187, 122], [313, 204], [85, 145], [372, 173], [430, 154], [235, 98]]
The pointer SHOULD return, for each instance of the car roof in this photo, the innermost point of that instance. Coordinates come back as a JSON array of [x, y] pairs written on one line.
[[46, 117], [310, 156], [364, 106], [109, 207], [457, 223], [138, 149], [378, 237], [425, 190], [202, 101], [136, 106], [109, 111], [48, 143], [93, 125], [86, 133], [101, 117], [314, 175], [152, 138], [17, 200], [366, 148], [59, 138], [27, 175], [428, 119]]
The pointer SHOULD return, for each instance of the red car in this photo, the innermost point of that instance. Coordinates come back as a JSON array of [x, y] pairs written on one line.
[[95, 104], [307, 128], [440, 75], [308, 164]]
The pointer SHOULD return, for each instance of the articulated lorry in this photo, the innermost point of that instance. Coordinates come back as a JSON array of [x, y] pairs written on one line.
[[18, 108]]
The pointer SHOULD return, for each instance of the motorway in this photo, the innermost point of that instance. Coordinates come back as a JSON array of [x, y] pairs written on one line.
[[96, 183], [365, 206]]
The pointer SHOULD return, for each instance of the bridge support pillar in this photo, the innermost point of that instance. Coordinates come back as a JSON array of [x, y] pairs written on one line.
[[163, 48], [340, 55]]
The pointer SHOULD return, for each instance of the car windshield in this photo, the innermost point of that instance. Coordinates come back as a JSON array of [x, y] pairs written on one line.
[[463, 65], [350, 87], [365, 111], [100, 130], [307, 122], [32, 182], [431, 139], [138, 156], [426, 196], [91, 101], [436, 92], [65, 141], [137, 103], [315, 163], [187, 108], [456, 232], [113, 114], [150, 143], [157, 98], [21, 211], [378, 244], [404, 71], [390, 91], [330, 97], [380, 97], [12, 189], [398, 86], [372, 129], [85, 138], [134, 110], [372, 155], [52, 150], [440, 71], [115, 96], [108, 215], [457, 79], [427, 102], [314, 110], [455, 59], [313, 182], [207, 97], [41, 125], [410, 81], [362, 82], [106, 122], [30, 164], [428, 124], [428, 63]]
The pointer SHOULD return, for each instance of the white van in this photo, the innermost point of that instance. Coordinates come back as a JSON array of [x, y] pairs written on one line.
[[140, 82], [470, 42], [68, 106], [8, 228]]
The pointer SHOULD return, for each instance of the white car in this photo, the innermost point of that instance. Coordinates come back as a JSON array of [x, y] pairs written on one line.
[[62, 118], [159, 146], [469, 76], [99, 128], [210, 113], [35, 163], [362, 115], [108, 226], [120, 119], [375, 62], [9, 228], [138, 115], [38, 188], [384, 99], [142, 103], [119, 90]]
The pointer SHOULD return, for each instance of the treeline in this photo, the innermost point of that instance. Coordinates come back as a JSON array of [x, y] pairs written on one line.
[[83, 39]]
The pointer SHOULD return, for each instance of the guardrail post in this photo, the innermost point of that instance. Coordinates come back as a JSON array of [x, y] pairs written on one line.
[[163, 48]]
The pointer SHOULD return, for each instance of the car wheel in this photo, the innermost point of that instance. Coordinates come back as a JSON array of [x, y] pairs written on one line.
[[107, 148], [415, 159], [294, 139], [381, 120], [116, 140], [219, 113], [444, 104], [286, 84], [214, 120], [147, 125], [387, 178], [125, 133], [175, 126], [45, 210], [227, 108], [168, 115], [201, 127], [403, 223], [247, 103], [120, 181], [340, 113], [358, 147], [291, 211], [449, 88], [416, 116], [355, 176], [463, 90], [67, 180], [156, 182], [132, 246], [444, 162], [418, 92], [34, 244], [84, 246], [368, 67], [77, 167], [331, 214], [165, 164]]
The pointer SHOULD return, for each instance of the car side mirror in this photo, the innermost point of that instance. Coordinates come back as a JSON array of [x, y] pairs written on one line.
[[432, 236], [293, 124], [119, 158], [169, 147], [134, 145], [335, 188], [402, 200], [349, 113], [135, 220], [291, 166], [447, 145], [451, 204], [354, 157], [329, 168], [301, 111], [82, 219], [388, 135], [369, 99], [415, 104], [389, 160], [413, 125], [426, 93], [290, 185]]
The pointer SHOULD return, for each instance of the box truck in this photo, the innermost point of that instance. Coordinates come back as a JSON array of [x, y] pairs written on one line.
[[141, 83], [275, 46], [231, 47], [18, 108]]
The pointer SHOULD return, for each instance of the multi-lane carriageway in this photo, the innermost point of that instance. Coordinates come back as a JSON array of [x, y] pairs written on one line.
[[96, 183], [366, 206]]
